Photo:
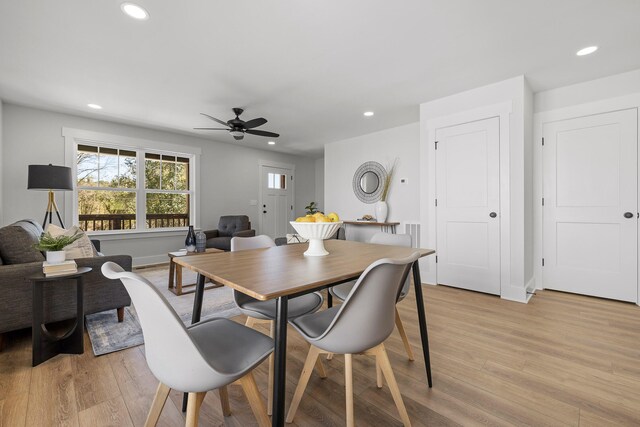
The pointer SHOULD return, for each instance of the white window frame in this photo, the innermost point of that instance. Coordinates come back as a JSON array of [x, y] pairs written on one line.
[[75, 137]]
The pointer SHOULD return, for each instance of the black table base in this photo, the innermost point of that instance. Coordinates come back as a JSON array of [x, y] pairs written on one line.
[[47, 345]]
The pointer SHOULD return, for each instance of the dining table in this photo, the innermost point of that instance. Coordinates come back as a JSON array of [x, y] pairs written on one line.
[[280, 273]]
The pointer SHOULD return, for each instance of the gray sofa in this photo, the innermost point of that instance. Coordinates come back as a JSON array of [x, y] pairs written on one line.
[[229, 226], [19, 260]]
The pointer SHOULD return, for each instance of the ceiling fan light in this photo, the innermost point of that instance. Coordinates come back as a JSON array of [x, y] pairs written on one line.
[[236, 133]]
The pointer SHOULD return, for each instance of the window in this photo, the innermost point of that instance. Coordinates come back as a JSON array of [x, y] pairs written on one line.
[[277, 181], [127, 189]]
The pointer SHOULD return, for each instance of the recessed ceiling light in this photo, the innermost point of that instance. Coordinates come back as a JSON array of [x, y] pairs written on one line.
[[95, 106], [368, 113], [587, 50], [135, 11], [271, 143]]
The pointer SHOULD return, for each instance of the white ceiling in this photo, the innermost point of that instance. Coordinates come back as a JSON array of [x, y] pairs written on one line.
[[310, 67]]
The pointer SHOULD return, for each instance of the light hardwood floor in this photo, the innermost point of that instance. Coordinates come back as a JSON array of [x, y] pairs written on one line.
[[560, 360]]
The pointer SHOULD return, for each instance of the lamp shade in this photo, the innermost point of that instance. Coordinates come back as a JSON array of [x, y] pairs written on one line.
[[49, 177]]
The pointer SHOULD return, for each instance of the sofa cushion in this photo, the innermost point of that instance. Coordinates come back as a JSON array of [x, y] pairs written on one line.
[[17, 245], [81, 248], [223, 243], [229, 224]]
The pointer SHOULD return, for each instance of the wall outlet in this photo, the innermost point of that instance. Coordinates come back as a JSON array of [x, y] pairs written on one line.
[[253, 203]]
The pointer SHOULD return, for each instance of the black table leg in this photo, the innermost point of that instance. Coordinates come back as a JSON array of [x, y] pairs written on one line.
[[422, 320], [329, 299], [195, 318], [280, 359]]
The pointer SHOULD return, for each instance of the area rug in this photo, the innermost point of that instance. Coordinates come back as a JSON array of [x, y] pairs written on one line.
[[107, 335]]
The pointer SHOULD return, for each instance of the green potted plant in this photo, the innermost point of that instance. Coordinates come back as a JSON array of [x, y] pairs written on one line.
[[54, 246]]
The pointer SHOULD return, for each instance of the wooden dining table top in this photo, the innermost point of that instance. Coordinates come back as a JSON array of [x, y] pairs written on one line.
[[270, 273]]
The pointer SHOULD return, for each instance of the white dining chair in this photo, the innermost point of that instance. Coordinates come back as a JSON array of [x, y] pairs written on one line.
[[205, 356], [265, 311], [341, 291], [358, 326]]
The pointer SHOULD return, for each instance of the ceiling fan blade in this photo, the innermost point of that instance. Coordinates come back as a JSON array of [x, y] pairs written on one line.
[[215, 120], [254, 123], [238, 138], [263, 133], [212, 129]]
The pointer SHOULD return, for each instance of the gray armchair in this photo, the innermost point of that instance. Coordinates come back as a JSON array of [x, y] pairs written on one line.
[[229, 226]]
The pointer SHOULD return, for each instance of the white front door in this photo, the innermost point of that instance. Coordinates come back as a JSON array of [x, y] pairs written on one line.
[[590, 225], [276, 209], [468, 202]]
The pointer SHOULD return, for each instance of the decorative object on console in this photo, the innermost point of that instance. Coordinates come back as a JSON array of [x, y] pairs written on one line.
[[312, 208], [54, 246], [381, 207], [367, 182], [366, 218], [190, 241], [49, 177], [201, 242]]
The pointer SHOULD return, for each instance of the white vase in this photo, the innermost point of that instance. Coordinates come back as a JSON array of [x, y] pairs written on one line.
[[55, 257], [381, 211]]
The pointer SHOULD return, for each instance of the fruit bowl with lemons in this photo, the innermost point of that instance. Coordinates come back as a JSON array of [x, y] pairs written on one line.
[[317, 228]]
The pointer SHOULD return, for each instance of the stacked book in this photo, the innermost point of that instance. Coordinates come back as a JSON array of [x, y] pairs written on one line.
[[59, 269]]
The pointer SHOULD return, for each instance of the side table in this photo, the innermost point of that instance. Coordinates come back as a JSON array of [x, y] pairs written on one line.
[[45, 344], [175, 271]]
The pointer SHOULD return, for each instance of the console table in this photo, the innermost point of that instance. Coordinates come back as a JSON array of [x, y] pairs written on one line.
[[387, 227]]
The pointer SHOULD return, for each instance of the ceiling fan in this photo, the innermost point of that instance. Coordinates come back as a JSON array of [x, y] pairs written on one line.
[[238, 127]]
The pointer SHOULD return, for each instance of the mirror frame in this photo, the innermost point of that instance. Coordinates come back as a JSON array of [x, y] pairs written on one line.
[[380, 172]]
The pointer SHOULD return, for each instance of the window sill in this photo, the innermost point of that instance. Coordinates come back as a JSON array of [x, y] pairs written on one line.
[[138, 234]]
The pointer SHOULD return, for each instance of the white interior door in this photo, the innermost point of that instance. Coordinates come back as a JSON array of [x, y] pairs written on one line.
[[590, 167], [468, 202], [277, 201]]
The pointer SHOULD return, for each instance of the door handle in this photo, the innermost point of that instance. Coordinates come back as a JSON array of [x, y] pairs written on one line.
[[628, 215], [493, 214]]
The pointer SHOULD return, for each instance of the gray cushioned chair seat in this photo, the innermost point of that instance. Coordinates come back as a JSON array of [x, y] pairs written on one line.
[[314, 326], [223, 243], [267, 309], [234, 349], [342, 291]]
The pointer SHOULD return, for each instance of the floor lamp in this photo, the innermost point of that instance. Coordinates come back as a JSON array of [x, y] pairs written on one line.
[[51, 178]]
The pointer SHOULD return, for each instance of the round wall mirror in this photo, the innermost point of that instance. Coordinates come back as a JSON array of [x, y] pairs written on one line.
[[367, 182]]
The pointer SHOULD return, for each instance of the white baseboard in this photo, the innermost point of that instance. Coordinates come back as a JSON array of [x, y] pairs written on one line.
[[143, 261], [514, 293]]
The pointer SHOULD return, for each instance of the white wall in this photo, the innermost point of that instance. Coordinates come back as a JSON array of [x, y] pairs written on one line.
[[514, 93], [609, 87], [342, 158], [320, 183], [228, 173]]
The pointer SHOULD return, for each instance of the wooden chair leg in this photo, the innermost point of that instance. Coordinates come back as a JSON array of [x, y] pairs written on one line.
[[329, 356], [193, 408], [379, 381], [120, 313], [250, 322], [312, 356], [255, 400], [272, 334], [385, 365], [348, 381], [162, 392], [403, 334], [224, 401]]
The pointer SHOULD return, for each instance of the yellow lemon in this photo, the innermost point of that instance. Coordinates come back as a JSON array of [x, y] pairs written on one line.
[[323, 219], [334, 217]]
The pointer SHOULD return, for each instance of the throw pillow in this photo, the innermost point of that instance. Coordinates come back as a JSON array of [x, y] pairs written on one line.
[[16, 246], [81, 248]]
